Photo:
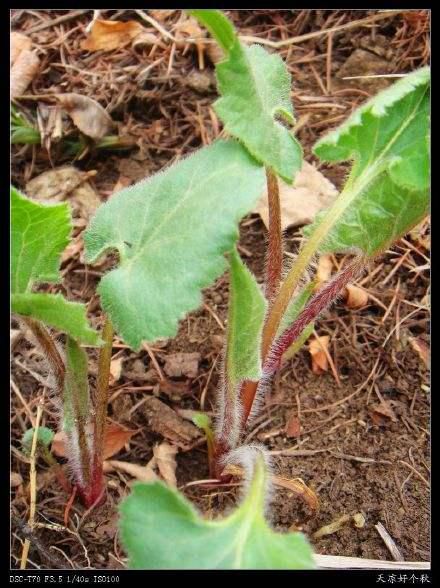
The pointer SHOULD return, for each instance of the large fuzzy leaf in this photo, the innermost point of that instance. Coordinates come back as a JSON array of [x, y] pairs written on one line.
[[255, 88], [161, 530], [40, 233], [387, 192], [54, 310], [171, 231]]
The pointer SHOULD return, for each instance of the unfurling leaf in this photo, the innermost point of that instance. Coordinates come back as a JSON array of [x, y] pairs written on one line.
[[255, 88], [387, 192], [44, 437], [40, 233], [247, 307], [171, 231], [242, 540]]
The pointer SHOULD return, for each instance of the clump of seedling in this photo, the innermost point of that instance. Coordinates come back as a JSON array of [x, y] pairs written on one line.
[[40, 232], [175, 233]]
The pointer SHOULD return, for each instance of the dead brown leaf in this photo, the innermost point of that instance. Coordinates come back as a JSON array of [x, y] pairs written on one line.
[[164, 420], [15, 480], [382, 413], [324, 270], [332, 527], [145, 39], [115, 439], [165, 455], [319, 357], [141, 473], [66, 182], [300, 488], [116, 368], [107, 35], [87, 114], [293, 427], [300, 203], [18, 43], [24, 64], [356, 297], [422, 348]]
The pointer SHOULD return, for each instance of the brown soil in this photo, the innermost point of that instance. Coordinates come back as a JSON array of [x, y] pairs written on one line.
[[356, 458]]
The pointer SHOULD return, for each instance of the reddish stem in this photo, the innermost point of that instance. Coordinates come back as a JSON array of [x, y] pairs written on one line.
[[317, 304]]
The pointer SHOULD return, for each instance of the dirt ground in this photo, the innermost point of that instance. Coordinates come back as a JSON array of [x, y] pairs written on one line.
[[358, 434]]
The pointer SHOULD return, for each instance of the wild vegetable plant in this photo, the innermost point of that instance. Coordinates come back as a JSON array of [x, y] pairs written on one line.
[[384, 196], [40, 233]]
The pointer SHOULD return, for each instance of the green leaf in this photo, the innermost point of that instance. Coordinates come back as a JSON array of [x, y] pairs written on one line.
[[218, 25], [22, 135], [171, 231], [387, 192], [76, 399], [202, 420], [77, 414], [54, 310], [40, 233], [44, 438], [247, 308], [241, 541], [255, 88]]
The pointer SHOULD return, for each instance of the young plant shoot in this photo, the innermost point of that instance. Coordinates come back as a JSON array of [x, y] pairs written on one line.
[[40, 233]]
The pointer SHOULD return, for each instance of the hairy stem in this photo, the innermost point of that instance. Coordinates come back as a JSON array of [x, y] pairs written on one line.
[[317, 304], [50, 350], [304, 258], [77, 417], [101, 396], [275, 247]]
